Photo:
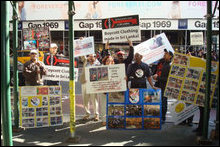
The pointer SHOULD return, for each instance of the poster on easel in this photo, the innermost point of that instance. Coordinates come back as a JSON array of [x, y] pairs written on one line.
[[139, 109], [40, 106], [186, 81], [36, 38]]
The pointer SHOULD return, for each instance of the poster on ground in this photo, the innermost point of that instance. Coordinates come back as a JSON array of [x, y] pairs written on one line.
[[118, 29], [140, 109], [186, 81], [180, 111], [153, 49], [84, 47], [40, 106], [59, 73], [107, 78]]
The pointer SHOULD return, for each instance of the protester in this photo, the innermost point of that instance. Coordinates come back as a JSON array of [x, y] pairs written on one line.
[[161, 77], [34, 70], [120, 56], [49, 59], [138, 72], [108, 60], [90, 61]]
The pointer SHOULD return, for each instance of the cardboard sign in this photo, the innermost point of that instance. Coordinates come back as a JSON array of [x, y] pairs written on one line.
[[153, 49], [196, 38], [136, 109], [108, 78], [186, 81], [40, 106], [118, 29], [58, 73], [84, 47], [180, 111]]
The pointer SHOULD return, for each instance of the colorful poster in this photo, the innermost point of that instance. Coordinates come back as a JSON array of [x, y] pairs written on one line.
[[59, 73], [180, 111], [84, 47], [186, 81], [107, 78], [119, 29], [153, 49], [40, 106], [140, 110]]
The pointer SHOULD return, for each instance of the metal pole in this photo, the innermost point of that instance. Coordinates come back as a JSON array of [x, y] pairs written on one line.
[[15, 73], [5, 76], [71, 70], [208, 70]]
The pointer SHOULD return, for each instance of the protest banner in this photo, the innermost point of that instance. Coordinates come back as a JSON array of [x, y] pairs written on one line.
[[186, 79], [40, 106], [138, 109], [84, 47], [180, 111], [153, 49], [58, 73], [196, 38], [108, 78], [118, 29]]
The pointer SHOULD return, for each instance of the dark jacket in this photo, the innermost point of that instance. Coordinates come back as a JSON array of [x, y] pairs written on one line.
[[163, 69]]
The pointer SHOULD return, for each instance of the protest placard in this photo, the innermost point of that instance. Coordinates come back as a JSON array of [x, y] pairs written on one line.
[[108, 78], [59, 73], [153, 49], [118, 29], [196, 38], [40, 106], [84, 46], [180, 111], [186, 81]]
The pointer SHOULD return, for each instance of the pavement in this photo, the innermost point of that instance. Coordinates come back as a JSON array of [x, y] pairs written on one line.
[[92, 133]]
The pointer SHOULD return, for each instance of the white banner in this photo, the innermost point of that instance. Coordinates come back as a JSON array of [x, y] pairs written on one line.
[[158, 24], [101, 79], [200, 24], [153, 49], [59, 73], [196, 38], [181, 111], [84, 47]]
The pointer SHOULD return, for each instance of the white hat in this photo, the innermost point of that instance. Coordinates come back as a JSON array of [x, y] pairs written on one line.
[[33, 51], [52, 45]]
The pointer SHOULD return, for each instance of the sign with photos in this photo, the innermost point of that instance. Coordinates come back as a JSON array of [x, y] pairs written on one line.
[[36, 38], [137, 109], [186, 81], [40, 106]]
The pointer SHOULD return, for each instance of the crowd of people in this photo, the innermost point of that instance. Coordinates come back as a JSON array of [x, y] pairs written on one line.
[[137, 75]]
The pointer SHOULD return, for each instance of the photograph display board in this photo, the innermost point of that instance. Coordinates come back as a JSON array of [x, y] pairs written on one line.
[[153, 49], [40, 106], [107, 78], [186, 81], [36, 38], [137, 109]]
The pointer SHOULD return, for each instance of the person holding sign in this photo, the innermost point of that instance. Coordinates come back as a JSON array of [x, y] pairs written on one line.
[[161, 76], [120, 56], [34, 70], [90, 61], [138, 72]]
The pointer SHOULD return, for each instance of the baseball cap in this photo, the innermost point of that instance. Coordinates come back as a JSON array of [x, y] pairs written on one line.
[[171, 54], [52, 45], [33, 52], [120, 53]]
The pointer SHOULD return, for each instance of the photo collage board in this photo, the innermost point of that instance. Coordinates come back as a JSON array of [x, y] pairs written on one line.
[[40, 106], [186, 81], [134, 109], [36, 38]]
